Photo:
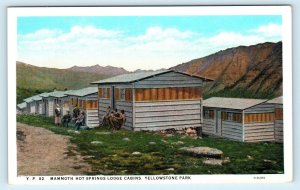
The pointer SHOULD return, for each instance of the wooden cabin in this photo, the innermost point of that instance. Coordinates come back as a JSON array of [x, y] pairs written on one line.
[[154, 100], [246, 120], [22, 108], [278, 118], [50, 100], [87, 100], [31, 104]]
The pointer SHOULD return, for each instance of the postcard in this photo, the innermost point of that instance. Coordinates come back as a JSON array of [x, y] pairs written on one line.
[[150, 95]]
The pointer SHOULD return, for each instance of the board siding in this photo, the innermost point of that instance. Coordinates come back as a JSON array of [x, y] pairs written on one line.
[[260, 108], [92, 118], [279, 131], [167, 114], [257, 132]]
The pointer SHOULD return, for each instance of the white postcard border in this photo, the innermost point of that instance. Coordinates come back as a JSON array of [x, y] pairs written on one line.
[[284, 11]]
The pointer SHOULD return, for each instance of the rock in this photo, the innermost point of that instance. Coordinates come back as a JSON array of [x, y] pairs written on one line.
[[249, 157], [164, 141], [170, 169], [136, 153], [178, 143], [106, 172], [169, 135], [77, 132], [203, 152], [152, 143], [270, 161], [190, 131], [70, 131], [126, 139], [103, 133], [216, 162], [96, 142]]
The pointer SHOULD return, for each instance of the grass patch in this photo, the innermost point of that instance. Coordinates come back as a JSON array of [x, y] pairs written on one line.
[[114, 155]]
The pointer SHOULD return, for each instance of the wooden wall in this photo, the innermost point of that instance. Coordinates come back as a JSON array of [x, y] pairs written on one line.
[[230, 129], [170, 93], [279, 123], [92, 119], [32, 107], [167, 114], [259, 123]]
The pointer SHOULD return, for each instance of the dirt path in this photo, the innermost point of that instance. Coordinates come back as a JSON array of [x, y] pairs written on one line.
[[42, 152]]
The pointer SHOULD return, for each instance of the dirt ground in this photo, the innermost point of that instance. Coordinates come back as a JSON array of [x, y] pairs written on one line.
[[42, 152]]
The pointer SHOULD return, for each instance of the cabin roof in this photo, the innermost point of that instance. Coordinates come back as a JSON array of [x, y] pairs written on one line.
[[134, 77], [60, 94], [36, 97], [277, 100], [22, 105], [83, 91], [232, 103]]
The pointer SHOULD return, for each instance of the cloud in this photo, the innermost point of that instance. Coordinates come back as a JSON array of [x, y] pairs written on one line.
[[269, 30], [156, 48]]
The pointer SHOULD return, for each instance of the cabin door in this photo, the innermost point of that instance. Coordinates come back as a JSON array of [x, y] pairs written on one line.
[[218, 123]]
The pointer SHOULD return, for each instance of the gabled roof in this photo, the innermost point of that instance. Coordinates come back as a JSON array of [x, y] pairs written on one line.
[[133, 77], [83, 92], [60, 94], [31, 99], [232, 103], [22, 105], [277, 100]]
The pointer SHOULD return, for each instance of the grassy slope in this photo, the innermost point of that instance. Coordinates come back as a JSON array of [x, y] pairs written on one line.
[[114, 155], [33, 80]]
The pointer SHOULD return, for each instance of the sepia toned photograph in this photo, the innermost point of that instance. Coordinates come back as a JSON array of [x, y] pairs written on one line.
[[129, 92]]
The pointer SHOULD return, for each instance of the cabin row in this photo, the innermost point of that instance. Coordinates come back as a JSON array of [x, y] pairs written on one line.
[[45, 103], [160, 100]]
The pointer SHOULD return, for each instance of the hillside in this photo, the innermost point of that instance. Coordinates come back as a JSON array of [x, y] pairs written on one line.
[[245, 71], [108, 70], [33, 80]]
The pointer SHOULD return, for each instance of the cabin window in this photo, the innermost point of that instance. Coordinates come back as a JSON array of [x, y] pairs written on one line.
[[122, 94], [91, 104], [128, 94], [161, 94], [100, 93], [259, 117], [231, 116], [106, 93], [278, 114], [209, 114]]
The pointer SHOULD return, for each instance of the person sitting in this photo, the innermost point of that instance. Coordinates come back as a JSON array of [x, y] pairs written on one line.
[[79, 120], [118, 120], [76, 111], [105, 120], [66, 119]]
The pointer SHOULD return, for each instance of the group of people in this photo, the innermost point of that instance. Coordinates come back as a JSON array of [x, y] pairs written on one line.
[[78, 117], [114, 119]]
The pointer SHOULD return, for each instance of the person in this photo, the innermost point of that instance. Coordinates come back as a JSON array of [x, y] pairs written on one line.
[[79, 120], [57, 115], [105, 119], [66, 119], [76, 111], [117, 120]]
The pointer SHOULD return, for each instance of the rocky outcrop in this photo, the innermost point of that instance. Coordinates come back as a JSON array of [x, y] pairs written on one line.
[[257, 68]]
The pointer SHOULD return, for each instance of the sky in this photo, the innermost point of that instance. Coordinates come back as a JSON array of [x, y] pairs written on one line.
[[136, 42]]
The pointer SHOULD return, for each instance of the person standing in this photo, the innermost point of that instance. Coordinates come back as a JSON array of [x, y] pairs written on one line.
[[79, 120], [66, 119], [57, 118]]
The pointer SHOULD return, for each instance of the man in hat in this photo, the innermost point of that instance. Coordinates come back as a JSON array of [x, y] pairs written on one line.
[[57, 115]]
